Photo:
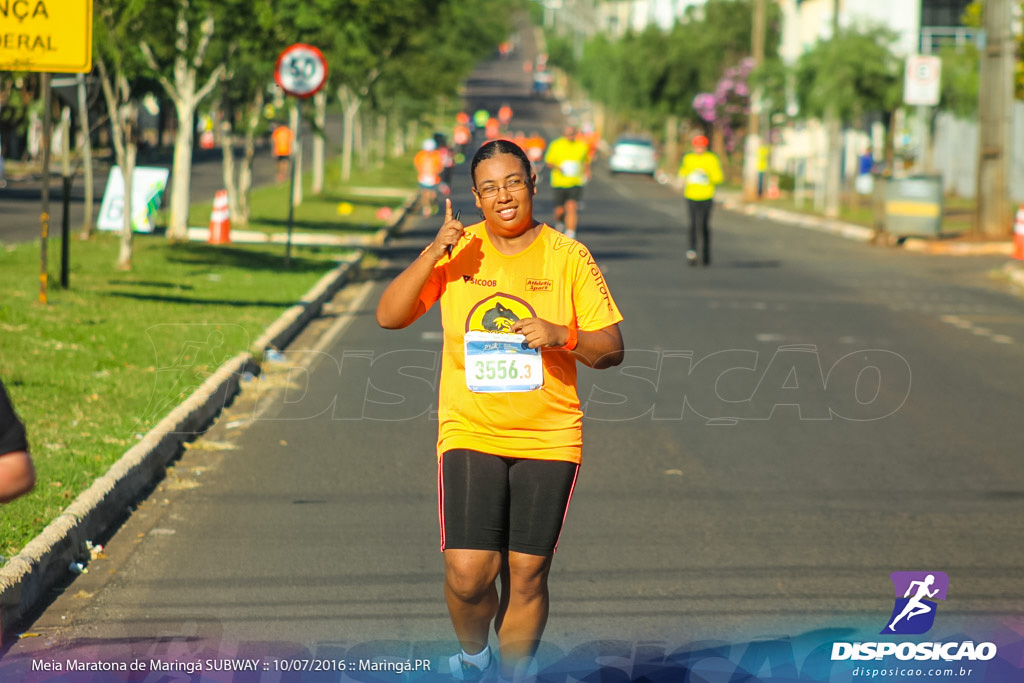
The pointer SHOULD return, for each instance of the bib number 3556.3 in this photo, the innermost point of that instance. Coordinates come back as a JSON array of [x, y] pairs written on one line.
[[501, 362]]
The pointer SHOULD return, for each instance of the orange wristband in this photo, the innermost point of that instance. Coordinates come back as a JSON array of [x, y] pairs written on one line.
[[572, 341]]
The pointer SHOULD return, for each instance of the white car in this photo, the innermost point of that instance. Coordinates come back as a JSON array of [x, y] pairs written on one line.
[[633, 155]]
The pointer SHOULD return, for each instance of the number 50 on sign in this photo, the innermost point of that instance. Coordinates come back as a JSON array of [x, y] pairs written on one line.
[[301, 70]]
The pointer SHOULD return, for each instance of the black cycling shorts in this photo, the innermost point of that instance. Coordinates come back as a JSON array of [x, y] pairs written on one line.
[[565, 194], [491, 502]]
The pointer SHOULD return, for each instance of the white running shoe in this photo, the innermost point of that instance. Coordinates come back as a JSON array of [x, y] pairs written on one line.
[[462, 670]]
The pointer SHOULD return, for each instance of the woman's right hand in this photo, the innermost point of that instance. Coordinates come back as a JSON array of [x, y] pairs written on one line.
[[449, 234]]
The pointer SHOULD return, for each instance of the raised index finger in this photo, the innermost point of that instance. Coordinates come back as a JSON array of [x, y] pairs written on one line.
[[447, 210]]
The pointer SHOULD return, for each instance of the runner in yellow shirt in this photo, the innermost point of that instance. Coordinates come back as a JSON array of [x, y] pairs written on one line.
[[521, 304], [700, 173], [568, 157]]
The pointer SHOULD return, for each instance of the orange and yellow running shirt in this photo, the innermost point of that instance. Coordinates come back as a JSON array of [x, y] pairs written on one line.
[[429, 164], [481, 289], [282, 137]]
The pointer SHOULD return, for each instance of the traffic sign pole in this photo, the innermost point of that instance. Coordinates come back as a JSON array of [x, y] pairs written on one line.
[[296, 118], [44, 217], [922, 88], [301, 72]]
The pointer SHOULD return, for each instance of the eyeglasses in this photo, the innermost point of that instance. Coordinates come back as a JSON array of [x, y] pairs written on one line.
[[488, 191]]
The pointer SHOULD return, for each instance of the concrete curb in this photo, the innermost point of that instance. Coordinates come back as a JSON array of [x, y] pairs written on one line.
[[27, 578], [850, 231], [959, 248], [861, 233], [298, 239]]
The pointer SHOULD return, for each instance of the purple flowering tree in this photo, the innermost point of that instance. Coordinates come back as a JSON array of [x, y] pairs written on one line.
[[728, 106]]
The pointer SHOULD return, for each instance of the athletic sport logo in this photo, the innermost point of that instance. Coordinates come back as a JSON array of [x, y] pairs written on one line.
[[916, 592]]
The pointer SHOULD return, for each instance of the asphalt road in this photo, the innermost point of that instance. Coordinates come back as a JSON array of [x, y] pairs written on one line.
[[791, 425]]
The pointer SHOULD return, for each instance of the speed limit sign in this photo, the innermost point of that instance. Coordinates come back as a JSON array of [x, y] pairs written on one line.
[[922, 80], [301, 70]]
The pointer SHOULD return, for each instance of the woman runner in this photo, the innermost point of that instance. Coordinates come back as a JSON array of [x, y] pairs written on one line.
[[521, 304]]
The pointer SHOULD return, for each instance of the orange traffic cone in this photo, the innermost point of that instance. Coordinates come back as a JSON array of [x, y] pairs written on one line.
[[1018, 234], [220, 219]]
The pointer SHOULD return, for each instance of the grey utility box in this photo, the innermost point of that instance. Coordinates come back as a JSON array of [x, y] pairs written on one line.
[[913, 206]]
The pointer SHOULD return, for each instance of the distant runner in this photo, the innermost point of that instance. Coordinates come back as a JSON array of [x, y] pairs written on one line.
[[700, 173], [429, 163], [282, 138], [568, 157]]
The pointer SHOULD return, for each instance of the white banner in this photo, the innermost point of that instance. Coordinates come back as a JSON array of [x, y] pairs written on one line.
[[148, 185]]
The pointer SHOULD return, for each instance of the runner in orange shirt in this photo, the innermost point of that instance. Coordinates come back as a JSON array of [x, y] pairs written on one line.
[[521, 305], [429, 163], [505, 116], [492, 130], [461, 137], [282, 138], [534, 146]]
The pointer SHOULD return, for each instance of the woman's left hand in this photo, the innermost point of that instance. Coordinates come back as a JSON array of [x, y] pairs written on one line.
[[540, 333]]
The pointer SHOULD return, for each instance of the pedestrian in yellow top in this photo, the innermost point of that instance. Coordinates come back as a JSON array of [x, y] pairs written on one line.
[[568, 157], [520, 306], [700, 173]]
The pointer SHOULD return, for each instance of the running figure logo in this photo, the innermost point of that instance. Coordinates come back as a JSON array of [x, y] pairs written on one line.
[[914, 611]]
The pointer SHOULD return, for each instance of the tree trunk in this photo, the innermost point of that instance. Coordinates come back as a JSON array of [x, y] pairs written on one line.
[[228, 170], [124, 255], [86, 150], [319, 142], [833, 128], [672, 142], [350, 108], [397, 142], [382, 140], [253, 113], [118, 95], [186, 95], [181, 180], [361, 143]]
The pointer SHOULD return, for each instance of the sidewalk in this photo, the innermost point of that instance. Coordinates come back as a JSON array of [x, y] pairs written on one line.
[[1014, 269]]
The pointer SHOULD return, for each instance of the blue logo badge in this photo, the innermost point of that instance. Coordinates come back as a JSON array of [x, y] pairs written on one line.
[[916, 592]]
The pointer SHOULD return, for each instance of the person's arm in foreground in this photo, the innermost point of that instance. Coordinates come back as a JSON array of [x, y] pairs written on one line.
[[597, 349], [17, 475], [400, 304]]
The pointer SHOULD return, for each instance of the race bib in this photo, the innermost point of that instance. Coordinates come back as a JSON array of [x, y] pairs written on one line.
[[498, 362], [570, 168], [697, 178]]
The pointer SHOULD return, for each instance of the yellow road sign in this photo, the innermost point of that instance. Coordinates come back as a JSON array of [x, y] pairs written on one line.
[[46, 35]]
